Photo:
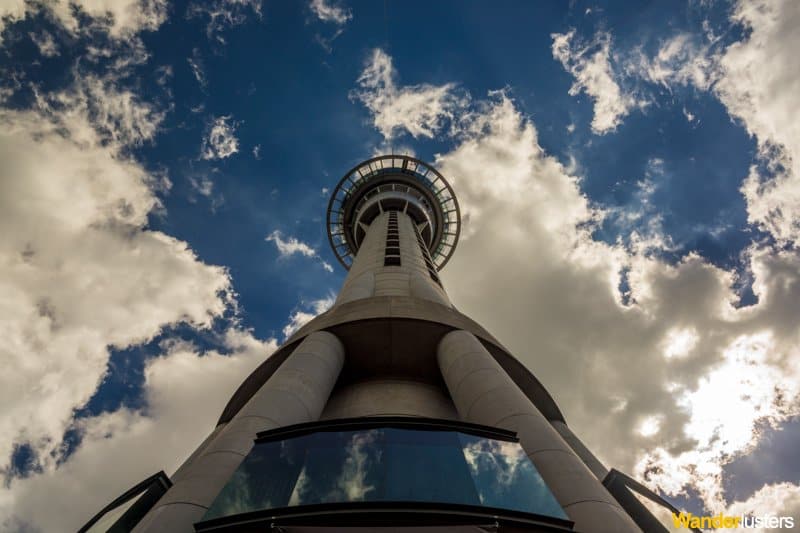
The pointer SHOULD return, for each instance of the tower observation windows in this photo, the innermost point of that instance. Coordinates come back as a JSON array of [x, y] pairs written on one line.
[[392, 254], [426, 255], [376, 463], [388, 183]]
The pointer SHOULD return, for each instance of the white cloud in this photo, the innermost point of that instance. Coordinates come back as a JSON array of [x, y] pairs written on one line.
[[300, 317], [120, 18], [117, 115], [257, 151], [45, 42], [164, 74], [639, 221], [780, 499], [290, 246], [12, 11], [328, 12], [759, 82], [223, 14], [675, 361], [120, 448], [79, 270], [681, 59], [590, 65], [679, 342], [196, 64], [203, 186], [221, 141], [676, 342], [421, 110]]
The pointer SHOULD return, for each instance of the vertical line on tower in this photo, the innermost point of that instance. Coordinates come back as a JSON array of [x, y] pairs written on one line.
[[392, 255], [426, 255]]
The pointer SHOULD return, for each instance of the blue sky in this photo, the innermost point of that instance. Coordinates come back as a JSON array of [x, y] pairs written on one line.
[[628, 178]]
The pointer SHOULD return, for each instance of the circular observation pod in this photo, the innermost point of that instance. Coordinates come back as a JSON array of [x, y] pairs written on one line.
[[393, 183]]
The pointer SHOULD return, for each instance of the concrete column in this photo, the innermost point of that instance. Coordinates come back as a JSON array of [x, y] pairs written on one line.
[[296, 393], [484, 394]]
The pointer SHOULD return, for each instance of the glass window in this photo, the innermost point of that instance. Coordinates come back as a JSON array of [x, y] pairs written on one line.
[[386, 464]]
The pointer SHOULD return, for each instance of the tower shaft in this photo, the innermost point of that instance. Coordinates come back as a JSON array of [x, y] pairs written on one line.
[[393, 260]]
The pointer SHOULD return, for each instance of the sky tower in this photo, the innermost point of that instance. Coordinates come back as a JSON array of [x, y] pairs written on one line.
[[392, 409]]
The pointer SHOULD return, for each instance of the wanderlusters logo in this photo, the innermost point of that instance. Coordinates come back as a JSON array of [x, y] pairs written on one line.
[[721, 521]]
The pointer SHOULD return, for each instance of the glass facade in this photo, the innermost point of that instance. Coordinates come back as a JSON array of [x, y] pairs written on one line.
[[386, 464]]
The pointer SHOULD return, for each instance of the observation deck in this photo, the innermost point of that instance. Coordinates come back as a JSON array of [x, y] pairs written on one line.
[[393, 183]]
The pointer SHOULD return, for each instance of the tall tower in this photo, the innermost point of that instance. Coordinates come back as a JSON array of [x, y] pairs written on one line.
[[390, 409]]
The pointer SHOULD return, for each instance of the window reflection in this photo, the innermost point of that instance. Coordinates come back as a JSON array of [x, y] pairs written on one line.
[[386, 464], [504, 476]]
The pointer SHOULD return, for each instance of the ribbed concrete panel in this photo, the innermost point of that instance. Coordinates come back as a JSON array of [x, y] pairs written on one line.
[[295, 393], [181, 471], [388, 397], [360, 281], [421, 285], [484, 394]]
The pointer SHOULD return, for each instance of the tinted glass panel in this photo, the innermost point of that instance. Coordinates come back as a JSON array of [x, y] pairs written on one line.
[[426, 466], [386, 464]]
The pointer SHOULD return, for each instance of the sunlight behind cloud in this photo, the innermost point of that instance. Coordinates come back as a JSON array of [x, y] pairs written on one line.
[[679, 342]]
